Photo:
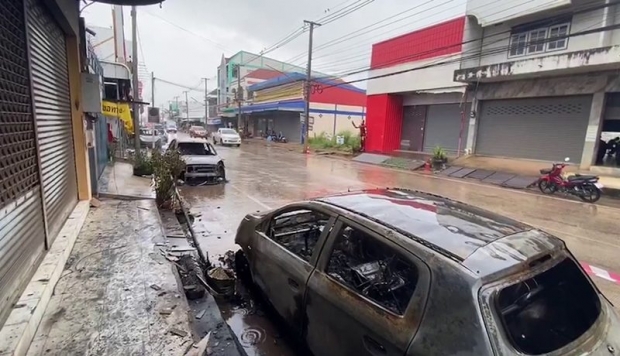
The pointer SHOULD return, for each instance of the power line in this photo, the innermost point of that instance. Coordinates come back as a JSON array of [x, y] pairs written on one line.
[[546, 22], [218, 45], [489, 52]]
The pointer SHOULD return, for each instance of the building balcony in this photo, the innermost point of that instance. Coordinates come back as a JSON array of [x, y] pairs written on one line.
[[583, 61]]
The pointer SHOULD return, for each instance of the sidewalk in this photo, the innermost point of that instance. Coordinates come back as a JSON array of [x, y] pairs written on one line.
[[118, 180], [114, 288]]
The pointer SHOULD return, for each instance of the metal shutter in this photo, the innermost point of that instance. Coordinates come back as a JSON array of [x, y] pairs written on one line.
[[50, 87], [22, 231], [548, 129], [443, 127]]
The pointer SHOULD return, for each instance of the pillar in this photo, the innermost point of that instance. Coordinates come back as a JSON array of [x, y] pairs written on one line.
[[384, 119], [595, 124], [79, 128], [470, 144]]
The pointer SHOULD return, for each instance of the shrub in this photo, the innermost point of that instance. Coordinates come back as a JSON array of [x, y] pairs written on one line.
[[439, 154], [166, 168], [142, 164]]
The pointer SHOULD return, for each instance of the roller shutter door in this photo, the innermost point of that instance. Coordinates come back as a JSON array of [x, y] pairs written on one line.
[[443, 127], [548, 129], [50, 87], [22, 231], [289, 124]]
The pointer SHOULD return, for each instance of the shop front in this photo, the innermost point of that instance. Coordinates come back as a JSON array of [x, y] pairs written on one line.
[[541, 128], [38, 157]]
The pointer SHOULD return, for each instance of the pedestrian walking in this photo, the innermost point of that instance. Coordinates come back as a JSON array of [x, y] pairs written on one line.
[[362, 128]]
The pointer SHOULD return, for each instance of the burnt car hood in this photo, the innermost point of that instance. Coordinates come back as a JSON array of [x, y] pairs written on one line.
[[201, 159]]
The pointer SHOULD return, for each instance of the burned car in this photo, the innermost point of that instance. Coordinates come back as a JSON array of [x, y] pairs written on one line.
[[396, 272], [202, 163]]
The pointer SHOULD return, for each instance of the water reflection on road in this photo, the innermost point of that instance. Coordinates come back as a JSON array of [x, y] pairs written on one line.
[[263, 178]]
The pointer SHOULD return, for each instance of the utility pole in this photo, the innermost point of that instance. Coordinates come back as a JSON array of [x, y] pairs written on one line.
[[239, 97], [206, 101], [152, 89], [136, 92], [186, 106], [308, 87]]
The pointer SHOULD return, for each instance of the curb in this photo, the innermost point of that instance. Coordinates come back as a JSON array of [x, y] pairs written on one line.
[[211, 303], [20, 328], [601, 273]]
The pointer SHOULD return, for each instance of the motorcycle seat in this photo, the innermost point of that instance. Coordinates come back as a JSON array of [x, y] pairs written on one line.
[[580, 177], [545, 171]]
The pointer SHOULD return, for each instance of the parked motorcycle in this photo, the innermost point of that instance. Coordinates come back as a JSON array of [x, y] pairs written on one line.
[[586, 187]]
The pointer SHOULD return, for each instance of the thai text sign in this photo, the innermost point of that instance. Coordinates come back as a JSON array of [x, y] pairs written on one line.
[[120, 111]]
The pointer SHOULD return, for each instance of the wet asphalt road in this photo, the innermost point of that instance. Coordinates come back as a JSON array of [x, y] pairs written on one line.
[[263, 177]]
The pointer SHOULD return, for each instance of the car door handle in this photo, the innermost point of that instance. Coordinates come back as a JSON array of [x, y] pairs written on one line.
[[293, 283], [374, 347]]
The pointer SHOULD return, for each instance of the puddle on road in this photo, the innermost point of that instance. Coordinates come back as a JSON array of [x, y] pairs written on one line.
[[215, 223], [255, 326]]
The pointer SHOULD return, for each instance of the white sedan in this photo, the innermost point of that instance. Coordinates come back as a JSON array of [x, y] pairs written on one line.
[[226, 137]]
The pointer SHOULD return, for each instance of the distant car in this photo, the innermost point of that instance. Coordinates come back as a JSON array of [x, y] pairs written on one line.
[[397, 272], [197, 131], [226, 137], [150, 138], [171, 128], [201, 160]]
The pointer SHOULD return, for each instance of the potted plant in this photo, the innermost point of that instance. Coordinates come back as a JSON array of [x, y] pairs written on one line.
[[440, 158], [142, 165]]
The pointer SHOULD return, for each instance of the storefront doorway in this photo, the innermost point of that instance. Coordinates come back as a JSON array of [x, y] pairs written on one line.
[[608, 152]]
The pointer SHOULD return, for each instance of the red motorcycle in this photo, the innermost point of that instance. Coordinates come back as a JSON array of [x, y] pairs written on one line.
[[586, 187]]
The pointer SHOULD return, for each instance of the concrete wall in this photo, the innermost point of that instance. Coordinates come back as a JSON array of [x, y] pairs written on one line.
[[491, 12], [338, 118], [417, 79], [497, 38]]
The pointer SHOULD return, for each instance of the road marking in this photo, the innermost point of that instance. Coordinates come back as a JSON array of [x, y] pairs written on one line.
[[265, 206], [601, 273]]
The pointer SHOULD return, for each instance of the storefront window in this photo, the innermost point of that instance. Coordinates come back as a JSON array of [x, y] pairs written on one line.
[[608, 153]]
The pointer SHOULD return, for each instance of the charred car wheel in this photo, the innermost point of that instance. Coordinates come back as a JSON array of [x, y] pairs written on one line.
[[242, 267], [221, 172]]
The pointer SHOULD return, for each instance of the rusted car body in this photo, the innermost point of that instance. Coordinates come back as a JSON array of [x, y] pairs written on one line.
[[393, 272], [202, 163]]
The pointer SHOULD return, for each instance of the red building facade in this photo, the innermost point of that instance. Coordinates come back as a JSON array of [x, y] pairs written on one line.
[[388, 97]]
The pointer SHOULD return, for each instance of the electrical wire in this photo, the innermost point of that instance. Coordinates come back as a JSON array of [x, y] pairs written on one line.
[[216, 44], [544, 22], [490, 52]]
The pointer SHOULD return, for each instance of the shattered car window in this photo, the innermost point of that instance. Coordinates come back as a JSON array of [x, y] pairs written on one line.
[[373, 270], [547, 312], [298, 231], [195, 149]]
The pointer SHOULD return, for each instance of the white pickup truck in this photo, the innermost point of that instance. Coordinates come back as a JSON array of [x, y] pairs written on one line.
[[226, 137]]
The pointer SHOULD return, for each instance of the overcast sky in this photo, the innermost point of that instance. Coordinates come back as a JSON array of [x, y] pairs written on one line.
[[184, 40]]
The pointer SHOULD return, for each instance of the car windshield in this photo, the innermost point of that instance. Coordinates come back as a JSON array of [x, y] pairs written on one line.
[[228, 132], [196, 149], [547, 312], [197, 128]]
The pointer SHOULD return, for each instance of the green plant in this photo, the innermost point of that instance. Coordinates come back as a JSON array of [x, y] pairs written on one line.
[[142, 164], [166, 168], [439, 154]]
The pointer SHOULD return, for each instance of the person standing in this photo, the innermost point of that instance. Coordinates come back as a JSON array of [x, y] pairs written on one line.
[[362, 128]]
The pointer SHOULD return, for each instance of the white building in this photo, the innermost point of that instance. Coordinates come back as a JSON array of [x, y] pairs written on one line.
[[544, 76]]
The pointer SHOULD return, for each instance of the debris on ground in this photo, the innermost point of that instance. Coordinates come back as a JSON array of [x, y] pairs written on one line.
[[178, 332], [201, 313], [155, 287], [95, 203], [200, 348], [222, 280]]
